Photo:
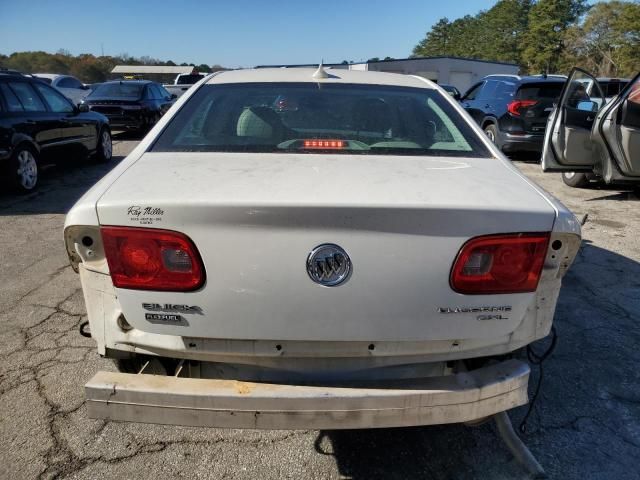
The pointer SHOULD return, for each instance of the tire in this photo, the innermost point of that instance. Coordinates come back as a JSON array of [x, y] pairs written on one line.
[[492, 132], [104, 150], [575, 179], [24, 165]]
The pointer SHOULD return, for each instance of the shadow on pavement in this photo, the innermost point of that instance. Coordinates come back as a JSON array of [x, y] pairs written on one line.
[[60, 186], [620, 196], [586, 422], [416, 452], [525, 157], [134, 135]]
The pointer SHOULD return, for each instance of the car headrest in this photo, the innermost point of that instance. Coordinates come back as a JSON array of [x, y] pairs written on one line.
[[261, 122]]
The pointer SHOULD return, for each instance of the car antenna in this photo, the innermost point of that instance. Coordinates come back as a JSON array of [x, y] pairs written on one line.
[[321, 72]]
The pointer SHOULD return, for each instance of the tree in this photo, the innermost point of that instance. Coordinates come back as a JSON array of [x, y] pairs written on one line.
[[549, 21], [494, 34], [607, 43], [502, 29], [436, 42], [87, 67]]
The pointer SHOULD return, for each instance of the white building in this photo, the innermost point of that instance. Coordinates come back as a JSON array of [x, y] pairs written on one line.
[[456, 71]]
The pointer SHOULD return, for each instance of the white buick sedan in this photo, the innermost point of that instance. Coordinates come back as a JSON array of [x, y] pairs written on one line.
[[292, 248]]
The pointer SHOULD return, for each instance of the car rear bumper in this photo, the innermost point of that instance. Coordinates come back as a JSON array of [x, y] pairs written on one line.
[[125, 122], [521, 143], [456, 398]]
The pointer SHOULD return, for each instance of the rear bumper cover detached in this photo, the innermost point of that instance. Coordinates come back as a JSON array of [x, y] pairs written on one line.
[[456, 398]]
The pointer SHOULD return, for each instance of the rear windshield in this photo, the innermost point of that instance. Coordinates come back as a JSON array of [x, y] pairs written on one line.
[[538, 91], [189, 79], [311, 117], [612, 88], [118, 90]]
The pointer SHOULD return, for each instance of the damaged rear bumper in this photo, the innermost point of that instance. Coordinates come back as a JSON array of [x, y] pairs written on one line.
[[456, 398]]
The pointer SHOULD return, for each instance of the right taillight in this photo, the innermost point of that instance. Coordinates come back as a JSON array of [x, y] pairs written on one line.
[[517, 105], [152, 259], [500, 264]]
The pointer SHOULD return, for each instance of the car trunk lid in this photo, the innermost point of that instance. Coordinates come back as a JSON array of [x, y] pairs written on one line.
[[255, 217]]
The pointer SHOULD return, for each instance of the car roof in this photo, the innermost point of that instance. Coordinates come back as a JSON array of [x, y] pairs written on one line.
[[529, 78], [306, 75], [15, 75], [141, 82], [52, 76]]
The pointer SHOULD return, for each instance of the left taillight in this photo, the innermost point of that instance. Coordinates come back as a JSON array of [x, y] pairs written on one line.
[[500, 264], [515, 107], [152, 259]]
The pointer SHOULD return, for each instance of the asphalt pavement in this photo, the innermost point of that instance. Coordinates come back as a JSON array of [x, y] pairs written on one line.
[[586, 423]]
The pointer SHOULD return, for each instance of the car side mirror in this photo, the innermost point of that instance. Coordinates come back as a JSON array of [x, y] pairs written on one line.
[[587, 106], [173, 96], [83, 108], [456, 96]]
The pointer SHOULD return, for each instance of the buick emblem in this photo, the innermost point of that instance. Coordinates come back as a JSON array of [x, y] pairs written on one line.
[[328, 265]]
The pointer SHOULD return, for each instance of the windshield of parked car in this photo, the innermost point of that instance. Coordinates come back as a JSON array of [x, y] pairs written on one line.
[[131, 91], [312, 117]]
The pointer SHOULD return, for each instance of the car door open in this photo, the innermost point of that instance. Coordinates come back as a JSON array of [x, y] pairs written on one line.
[[567, 143], [618, 130]]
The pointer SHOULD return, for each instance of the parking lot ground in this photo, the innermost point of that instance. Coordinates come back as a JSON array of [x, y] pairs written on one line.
[[586, 424]]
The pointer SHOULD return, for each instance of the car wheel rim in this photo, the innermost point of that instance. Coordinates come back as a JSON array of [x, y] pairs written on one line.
[[106, 145], [27, 169], [490, 135], [569, 175]]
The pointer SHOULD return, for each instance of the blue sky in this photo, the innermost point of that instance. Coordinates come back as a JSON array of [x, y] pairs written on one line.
[[230, 33]]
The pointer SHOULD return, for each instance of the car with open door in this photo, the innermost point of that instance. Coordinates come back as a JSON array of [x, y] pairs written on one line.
[[587, 136]]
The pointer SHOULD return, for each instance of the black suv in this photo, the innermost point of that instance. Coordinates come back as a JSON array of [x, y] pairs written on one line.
[[513, 110], [38, 124]]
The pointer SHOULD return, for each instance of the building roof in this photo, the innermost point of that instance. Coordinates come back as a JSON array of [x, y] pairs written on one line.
[[444, 57], [128, 82], [306, 75], [303, 65], [151, 69], [299, 65]]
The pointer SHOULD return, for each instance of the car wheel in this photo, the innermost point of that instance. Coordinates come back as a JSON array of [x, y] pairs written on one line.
[[492, 132], [575, 179], [104, 150], [24, 164]]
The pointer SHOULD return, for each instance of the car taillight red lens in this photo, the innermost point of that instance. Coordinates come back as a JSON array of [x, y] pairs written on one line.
[[517, 105], [152, 259], [500, 264]]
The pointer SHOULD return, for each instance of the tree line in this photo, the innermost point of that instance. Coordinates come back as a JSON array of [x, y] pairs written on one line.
[[86, 67], [545, 36]]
